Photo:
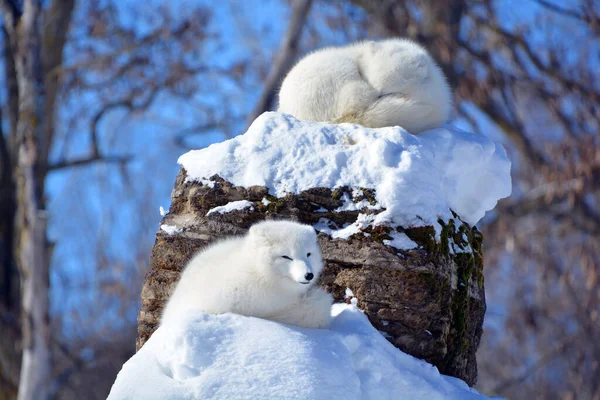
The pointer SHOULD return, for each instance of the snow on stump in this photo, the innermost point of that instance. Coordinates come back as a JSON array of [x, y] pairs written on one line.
[[395, 212]]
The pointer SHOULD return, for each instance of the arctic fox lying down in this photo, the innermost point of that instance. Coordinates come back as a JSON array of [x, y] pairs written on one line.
[[374, 84], [269, 273]]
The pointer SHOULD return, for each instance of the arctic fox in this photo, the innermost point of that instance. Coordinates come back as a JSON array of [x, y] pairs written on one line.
[[269, 273], [374, 84]]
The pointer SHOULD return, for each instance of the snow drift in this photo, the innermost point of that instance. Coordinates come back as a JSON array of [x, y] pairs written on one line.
[[417, 179], [234, 357]]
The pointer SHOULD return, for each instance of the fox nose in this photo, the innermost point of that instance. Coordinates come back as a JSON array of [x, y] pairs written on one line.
[[309, 276]]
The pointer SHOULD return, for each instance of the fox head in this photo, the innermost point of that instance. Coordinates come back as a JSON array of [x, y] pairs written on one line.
[[287, 251]]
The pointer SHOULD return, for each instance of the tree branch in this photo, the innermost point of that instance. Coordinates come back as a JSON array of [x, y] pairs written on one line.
[[181, 135], [127, 103], [77, 364], [565, 11], [472, 121], [9, 358], [285, 57], [5, 155], [56, 22], [549, 200], [79, 162], [96, 120], [394, 15], [550, 70], [485, 102], [542, 361], [12, 89], [11, 14]]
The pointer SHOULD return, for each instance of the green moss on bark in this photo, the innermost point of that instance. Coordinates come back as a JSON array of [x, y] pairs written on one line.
[[276, 204], [339, 192], [461, 245], [424, 236]]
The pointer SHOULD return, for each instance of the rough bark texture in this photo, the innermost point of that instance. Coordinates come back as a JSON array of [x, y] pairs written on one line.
[[34, 36], [429, 302], [31, 218]]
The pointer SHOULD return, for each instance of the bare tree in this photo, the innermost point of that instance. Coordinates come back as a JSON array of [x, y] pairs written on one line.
[[24, 152]]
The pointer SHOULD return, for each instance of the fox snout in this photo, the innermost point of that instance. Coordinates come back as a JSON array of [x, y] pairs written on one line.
[[302, 272]]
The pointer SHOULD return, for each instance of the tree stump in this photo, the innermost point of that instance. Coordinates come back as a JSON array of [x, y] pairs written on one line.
[[428, 302]]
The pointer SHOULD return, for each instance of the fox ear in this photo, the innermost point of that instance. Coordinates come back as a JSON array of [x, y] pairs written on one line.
[[258, 230], [255, 230], [311, 231], [373, 46], [258, 234]]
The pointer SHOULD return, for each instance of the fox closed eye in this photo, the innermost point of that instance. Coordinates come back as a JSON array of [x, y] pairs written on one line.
[[287, 258]]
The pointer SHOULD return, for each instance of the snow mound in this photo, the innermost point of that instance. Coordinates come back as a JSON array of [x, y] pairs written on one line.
[[234, 357], [417, 179]]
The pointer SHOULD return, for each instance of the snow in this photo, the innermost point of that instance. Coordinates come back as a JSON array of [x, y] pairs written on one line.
[[206, 182], [417, 179], [232, 206], [350, 205], [362, 222], [162, 211], [400, 241], [234, 357], [349, 295], [170, 229]]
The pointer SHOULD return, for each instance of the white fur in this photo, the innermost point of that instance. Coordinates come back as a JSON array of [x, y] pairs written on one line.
[[249, 276], [374, 84]]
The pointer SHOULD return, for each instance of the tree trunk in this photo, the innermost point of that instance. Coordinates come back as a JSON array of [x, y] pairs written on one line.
[[10, 305], [32, 76], [31, 216], [429, 302]]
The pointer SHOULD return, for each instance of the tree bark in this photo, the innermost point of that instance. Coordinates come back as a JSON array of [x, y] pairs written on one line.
[[31, 219], [32, 62], [10, 305], [56, 26], [9, 278]]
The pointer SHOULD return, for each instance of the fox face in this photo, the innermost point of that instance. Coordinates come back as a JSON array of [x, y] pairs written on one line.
[[287, 250]]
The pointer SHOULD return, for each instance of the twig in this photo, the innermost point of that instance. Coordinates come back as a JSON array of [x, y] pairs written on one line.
[[79, 162], [11, 14], [543, 360], [284, 59], [563, 11]]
